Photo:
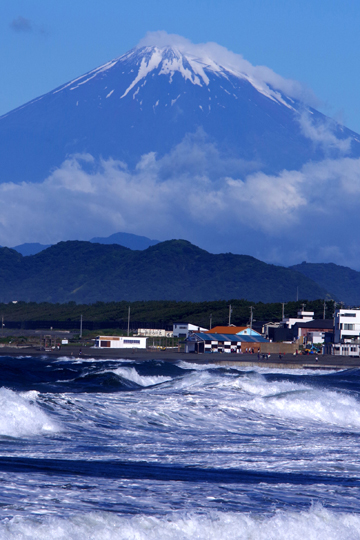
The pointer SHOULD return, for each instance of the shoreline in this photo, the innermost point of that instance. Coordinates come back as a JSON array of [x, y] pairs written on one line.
[[288, 361]]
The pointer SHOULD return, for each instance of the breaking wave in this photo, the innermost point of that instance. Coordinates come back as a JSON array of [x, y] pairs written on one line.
[[21, 416], [316, 523]]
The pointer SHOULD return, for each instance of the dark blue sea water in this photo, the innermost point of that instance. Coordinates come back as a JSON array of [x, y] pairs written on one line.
[[119, 449]]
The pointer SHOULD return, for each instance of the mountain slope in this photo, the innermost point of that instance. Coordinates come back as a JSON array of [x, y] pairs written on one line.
[[149, 100], [341, 280], [30, 248], [132, 241], [173, 270]]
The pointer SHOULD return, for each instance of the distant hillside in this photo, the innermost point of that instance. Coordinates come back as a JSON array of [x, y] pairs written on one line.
[[30, 249], [343, 282], [172, 270], [132, 241]]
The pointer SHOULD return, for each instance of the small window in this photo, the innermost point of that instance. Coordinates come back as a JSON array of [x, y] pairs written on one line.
[[349, 326]]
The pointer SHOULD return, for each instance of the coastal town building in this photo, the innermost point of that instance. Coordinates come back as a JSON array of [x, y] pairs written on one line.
[[238, 330], [204, 342], [231, 329], [284, 330], [120, 342], [302, 317], [154, 332], [313, 331], [346, 325], [182, 329], [344, 349]]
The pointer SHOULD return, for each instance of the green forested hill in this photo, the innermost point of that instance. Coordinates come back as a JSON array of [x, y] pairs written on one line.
[[174, 270], [341, 281]]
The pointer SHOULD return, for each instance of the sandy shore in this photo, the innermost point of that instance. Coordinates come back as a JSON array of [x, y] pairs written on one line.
[[244, 360]]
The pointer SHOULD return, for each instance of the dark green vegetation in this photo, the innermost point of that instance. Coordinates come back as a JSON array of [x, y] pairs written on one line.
[[160, 312], [343, 282], [174, 270]]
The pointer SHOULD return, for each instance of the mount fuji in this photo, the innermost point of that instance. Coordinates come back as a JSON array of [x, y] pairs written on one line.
[[150, 99], [177, 140]]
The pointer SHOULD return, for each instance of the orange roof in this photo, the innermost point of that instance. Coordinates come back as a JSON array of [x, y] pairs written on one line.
[[226, 330]]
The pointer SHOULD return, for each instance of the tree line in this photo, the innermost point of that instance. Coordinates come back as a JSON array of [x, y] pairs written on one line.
[[165, 312]]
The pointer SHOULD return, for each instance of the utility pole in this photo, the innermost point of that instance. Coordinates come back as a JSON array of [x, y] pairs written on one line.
[[251, 316], [210, 321], [80, 326], [282, 310], [2, 324], [324, 310], [230, 312], [297, 294], [128, 331]]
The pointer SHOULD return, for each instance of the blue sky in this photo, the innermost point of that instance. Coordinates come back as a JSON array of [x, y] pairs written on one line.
[[44, 43]]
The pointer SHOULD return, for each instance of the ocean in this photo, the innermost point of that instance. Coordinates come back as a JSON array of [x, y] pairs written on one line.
[[120, 449]]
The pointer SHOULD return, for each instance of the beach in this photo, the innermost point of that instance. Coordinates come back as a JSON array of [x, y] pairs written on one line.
[[310, 361]]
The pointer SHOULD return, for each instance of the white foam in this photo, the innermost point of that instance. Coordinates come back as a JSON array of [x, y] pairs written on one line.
[[283, 399], [289, 400], [21, 416], [314, 524], [143, 380], [262, 370]]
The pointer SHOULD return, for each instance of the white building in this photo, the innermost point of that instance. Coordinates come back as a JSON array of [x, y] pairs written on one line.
[[115, 342], [154, 332], [345, 349], [181, 330], [315, 337], [302, 317], [346, 324]]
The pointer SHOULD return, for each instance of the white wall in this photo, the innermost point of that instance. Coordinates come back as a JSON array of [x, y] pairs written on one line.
[[347, 324], [183, 329], [114, 342]]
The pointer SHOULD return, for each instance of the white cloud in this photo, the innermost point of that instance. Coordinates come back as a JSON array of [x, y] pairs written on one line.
[[322, 133], [212, 52], [310, 214]]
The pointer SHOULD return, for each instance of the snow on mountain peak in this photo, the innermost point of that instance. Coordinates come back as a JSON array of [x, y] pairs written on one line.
[[195, 64], [212, 57]]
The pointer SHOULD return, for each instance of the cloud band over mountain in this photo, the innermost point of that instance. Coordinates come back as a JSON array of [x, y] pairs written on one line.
[[292, 216], [176, 140]]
